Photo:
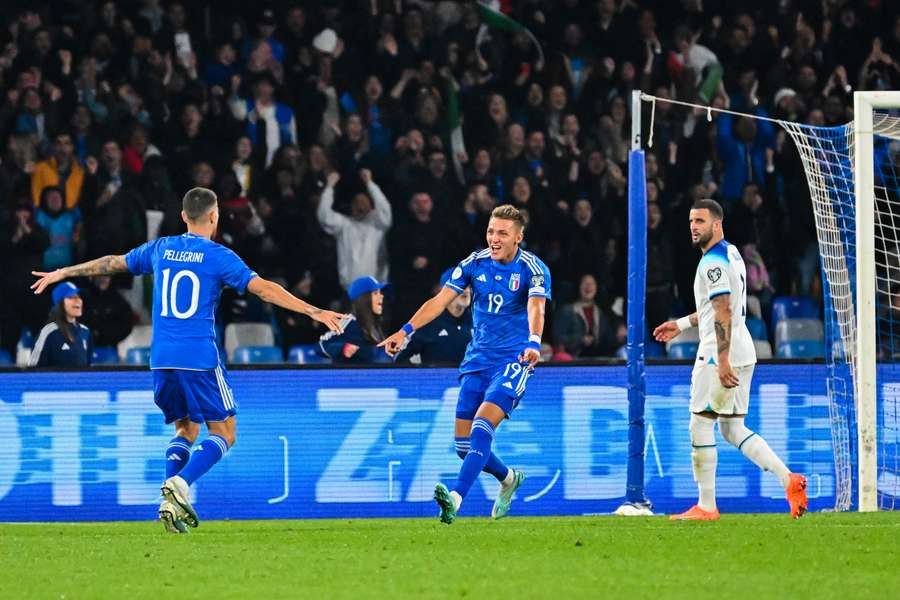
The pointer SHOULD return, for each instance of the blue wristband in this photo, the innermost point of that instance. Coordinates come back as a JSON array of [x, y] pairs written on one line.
[[408, 329]]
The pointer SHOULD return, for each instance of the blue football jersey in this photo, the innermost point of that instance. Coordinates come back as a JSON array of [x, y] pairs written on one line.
[[500, 296], [189, 272]]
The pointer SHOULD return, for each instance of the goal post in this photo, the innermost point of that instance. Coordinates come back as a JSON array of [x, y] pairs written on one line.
[[864, 106]]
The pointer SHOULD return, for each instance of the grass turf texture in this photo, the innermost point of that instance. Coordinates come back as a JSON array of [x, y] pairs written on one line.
[[741, 556]]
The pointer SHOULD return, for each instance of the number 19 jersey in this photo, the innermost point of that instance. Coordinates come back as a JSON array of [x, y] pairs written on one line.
[[189, 272], [500, 296]]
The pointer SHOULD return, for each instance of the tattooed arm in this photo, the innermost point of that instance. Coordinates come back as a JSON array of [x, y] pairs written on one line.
[[106, 265], [722, 315]]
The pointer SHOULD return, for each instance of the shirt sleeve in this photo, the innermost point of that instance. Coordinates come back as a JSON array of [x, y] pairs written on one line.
[[235, 272], [539, 284], [140, 259], [461, 277], [715, 273]]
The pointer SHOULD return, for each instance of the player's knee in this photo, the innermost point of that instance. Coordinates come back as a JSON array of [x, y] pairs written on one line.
[[734, 431], [702, 431]]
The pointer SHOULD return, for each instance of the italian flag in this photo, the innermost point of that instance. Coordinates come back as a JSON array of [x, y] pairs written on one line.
[[457, 144], [492, 18]]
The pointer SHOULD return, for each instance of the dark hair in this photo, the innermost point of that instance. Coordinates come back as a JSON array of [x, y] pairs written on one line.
[[714, 208], [197, 202], [58, 316], [369, 322]]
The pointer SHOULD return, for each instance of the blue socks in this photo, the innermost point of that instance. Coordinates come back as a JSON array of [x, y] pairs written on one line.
[[207, 454], [476, 459], [177, 455], [494, 465]]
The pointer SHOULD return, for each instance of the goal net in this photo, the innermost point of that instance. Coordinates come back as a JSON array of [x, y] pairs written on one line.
[[852, 172]]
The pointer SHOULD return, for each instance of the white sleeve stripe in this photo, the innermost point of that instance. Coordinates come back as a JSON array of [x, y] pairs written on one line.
[[454, 286], [469, 259], [39, 344], [537, 290], [531, 261]]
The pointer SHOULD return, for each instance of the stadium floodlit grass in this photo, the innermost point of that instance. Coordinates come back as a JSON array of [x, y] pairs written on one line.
[[741, 556]]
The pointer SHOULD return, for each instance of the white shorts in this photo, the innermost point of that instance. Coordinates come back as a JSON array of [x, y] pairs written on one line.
[[708, 393]]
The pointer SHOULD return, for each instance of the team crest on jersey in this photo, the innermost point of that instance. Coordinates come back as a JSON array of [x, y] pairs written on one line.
[[514, 281], [714, 274]]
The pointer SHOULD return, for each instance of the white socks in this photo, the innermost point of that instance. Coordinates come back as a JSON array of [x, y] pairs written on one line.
[[754, 447], [457, 500], [509, 479], [704, 458]]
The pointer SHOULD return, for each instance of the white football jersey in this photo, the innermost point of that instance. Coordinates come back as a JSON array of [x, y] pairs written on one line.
[[722, 271]]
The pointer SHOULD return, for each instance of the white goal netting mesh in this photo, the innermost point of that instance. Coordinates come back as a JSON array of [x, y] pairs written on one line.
[[828, 157]]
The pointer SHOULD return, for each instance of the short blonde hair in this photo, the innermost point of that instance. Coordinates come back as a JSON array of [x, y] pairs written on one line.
[[509, 212]]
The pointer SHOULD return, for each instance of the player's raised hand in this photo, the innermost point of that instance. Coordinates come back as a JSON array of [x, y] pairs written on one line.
[[394, 343], [332, 179], [667, 331], [45, 280], [330, 319]]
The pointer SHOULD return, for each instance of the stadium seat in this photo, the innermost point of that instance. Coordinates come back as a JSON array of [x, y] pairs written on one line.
[[654, 350], [757, 329], [801, 349], [5, 359], [794, 307], [763, 349], [139, 355], [140, 337], [754, 308], [691, 335], [799, 330], [247, 334], [683, 350], [307, 354], [255, 355], [105, 355]]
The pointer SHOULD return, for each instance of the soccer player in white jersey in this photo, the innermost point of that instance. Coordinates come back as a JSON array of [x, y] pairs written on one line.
[[720, 381]]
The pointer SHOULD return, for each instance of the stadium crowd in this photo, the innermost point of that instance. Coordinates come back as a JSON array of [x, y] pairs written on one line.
[[325, 129]]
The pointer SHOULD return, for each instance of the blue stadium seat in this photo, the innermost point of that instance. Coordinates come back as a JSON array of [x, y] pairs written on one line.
[[105, 355], [801, 349], [684, 350], [254, 355], [654, 350], [26, 339], [5, 359], [794, 307], [139, 355], [307, 354], [757, 329], [799, 330]]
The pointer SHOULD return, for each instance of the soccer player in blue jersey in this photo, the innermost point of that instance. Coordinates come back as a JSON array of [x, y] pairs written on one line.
[[190, 385], [510, 287]]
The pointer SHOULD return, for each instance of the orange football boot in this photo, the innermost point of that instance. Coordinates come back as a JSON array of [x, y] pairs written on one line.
[[695, 513], [796, 495]]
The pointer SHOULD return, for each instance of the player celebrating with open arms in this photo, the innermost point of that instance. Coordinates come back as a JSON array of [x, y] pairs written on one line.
[[190, 385], [510, 287], [720, 381]]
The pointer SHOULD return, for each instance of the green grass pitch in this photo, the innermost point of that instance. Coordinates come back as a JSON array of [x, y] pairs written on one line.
[[741, 556]]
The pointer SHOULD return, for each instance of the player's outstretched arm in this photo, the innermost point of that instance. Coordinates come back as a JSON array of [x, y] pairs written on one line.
[[670, 329], [427, 313], [271, 292], [106, 265], [722, 315]]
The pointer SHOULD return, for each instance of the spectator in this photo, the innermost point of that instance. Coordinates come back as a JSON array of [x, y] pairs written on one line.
[[363, 329], [62, 225], [22, 245], [660, 267], [580, 328], [60, 170], [269, 123], [443, 340], [742, 147], [64, 342], [109, 315], [361, 236]]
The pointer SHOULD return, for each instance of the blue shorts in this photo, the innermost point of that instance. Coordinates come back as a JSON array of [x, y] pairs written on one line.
[[503, 386], [200, 395]]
